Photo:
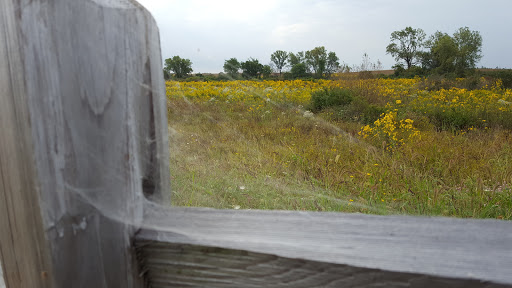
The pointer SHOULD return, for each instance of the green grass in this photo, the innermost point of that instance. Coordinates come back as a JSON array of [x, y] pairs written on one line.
[[226, 155]]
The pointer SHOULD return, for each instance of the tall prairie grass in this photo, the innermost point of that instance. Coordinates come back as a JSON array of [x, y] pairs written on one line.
[[398, 146]]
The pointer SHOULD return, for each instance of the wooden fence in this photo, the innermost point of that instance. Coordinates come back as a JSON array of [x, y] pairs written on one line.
[[84, 158]]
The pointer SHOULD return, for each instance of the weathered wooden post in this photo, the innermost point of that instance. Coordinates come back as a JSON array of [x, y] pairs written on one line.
[[83, 139]]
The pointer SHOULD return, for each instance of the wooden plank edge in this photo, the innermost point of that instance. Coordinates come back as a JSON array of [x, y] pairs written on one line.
[[466, 249], [184, 265]]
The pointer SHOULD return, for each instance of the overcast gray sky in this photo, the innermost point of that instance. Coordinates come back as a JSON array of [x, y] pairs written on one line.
[[210, 32]]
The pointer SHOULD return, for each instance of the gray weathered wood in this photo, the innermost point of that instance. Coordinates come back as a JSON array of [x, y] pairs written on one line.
[[182, 265], [407, 250], [24, 251], [83, 123]]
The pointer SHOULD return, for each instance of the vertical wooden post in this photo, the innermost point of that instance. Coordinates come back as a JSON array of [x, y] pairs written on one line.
[[83, 125]]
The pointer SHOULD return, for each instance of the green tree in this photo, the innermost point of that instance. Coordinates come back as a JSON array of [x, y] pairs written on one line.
[[251, 68], [180, 67], [297, 58], [333, 63], [231, 67], [441, 55], [406, 44], [266, 71], [279, 59], [317, 60], [469, 44], [299, 70], [455, 54]]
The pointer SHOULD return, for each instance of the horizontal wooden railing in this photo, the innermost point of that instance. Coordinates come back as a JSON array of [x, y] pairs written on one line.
[[230, 248]]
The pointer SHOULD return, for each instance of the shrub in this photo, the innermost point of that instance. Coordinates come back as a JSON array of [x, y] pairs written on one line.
[[453, 119], [299, 70], [449, 81], [362, 111], [506, 78], [331, 97], [193, 79], [505, 75], [414, 71], [371, 113], [224, 77], [390, 132]]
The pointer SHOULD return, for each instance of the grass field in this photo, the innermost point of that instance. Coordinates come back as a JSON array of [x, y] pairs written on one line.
[[409, 146]]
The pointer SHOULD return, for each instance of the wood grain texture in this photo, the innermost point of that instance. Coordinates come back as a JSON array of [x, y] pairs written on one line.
[[182, 265], [24, 251], [83, 138], [439, 248]]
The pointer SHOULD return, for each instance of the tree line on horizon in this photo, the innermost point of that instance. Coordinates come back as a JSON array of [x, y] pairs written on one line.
[[415, 54], [317, 63]]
